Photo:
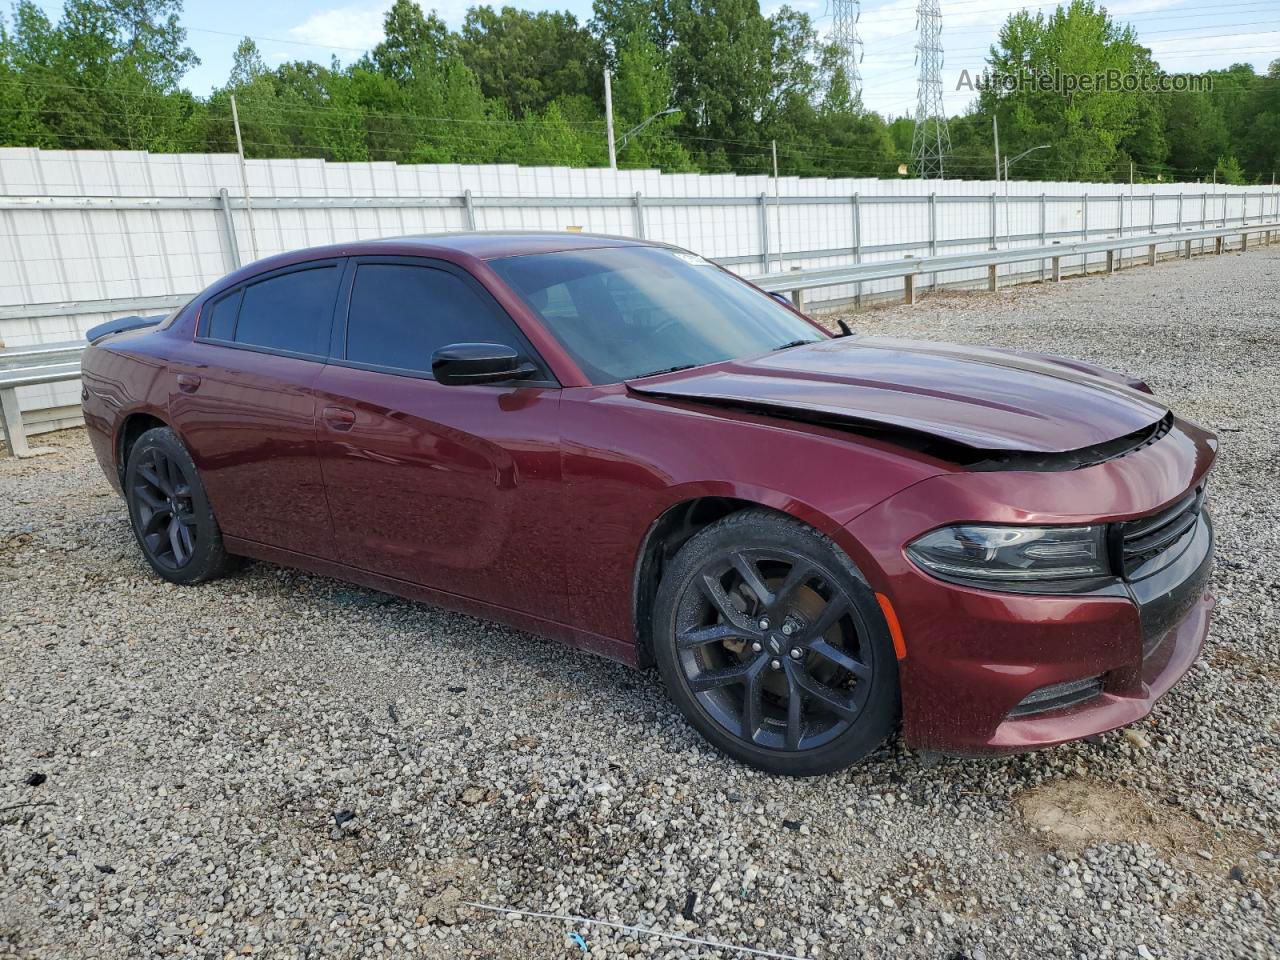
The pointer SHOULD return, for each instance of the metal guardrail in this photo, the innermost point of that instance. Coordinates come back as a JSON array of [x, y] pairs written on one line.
[[909, 268], [26, 367]]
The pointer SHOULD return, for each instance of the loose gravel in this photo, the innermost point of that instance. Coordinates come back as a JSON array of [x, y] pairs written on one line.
[[285, 765]]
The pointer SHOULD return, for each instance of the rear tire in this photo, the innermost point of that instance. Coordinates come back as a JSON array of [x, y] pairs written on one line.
[[170, 513], [773, 646]]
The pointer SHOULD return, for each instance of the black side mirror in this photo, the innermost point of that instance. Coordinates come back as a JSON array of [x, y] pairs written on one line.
[[460, 363]]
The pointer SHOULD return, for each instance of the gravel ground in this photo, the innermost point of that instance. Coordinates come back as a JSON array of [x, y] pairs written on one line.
[[284, 765]]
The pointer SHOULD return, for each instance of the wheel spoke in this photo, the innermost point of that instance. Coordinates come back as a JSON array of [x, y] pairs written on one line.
[[795, 711], [699, 636], [836, 608], [714, 679], [834, 700], [796, 576], [175, 541], [152, 476], [751, 577], [174, 473], [186, 536], [752, 707], [841, 659], [150, 500]]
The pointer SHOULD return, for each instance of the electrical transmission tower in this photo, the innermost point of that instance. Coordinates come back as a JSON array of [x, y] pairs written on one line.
[[931, 142], [844, 33]]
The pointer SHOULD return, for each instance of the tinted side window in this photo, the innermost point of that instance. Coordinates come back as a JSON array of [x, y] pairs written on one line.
[[221, 324], [401, 314], [292, 311]]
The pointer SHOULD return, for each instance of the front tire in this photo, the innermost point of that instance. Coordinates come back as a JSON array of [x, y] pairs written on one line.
[[773, 646], [170, 513]]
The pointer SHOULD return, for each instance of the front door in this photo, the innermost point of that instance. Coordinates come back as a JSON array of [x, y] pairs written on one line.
[[456, 488], [244, 403]]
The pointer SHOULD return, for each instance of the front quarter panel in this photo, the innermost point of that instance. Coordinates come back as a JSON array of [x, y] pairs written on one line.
[[627, 460]]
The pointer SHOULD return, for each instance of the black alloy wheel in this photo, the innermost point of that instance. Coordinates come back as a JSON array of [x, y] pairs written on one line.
[[170, 514], [774, 647], [166, 517]]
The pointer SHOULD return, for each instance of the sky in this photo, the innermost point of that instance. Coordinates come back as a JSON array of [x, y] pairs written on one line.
[[1184, 35]]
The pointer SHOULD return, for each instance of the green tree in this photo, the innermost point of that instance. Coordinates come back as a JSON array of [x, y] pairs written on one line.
[[527, 60], [1093, 133]]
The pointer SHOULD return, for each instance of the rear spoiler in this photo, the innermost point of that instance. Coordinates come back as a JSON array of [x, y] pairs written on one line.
[[120, 325]]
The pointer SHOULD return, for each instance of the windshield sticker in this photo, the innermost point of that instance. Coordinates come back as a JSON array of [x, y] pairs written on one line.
[[694, 260]]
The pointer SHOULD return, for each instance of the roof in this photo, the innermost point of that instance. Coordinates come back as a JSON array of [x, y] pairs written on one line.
[[491, 244]]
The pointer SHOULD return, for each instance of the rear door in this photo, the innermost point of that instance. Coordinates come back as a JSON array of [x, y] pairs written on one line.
[[456, 488], [247, 406]]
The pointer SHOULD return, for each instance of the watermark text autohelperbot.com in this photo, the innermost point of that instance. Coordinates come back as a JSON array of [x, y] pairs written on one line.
[[1105, 81]]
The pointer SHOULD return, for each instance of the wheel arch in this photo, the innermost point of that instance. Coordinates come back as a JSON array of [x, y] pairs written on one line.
[[684, 518], [131, 428]]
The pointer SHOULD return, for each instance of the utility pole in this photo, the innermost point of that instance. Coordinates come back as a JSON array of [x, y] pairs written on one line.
[[931, 142], [244, 178], [995, 135], [608, 117], [777, 203]]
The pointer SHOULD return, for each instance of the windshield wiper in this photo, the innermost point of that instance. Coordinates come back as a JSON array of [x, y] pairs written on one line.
[[654, 373], [794, 343]]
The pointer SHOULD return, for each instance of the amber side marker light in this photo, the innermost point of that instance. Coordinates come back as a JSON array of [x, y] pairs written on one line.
[[895, 628]]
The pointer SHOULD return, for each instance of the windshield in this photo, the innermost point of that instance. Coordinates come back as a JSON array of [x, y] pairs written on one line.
[[627, 312]]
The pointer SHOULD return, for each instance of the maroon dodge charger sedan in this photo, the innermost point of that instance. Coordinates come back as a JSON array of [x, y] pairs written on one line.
[[622, 446]]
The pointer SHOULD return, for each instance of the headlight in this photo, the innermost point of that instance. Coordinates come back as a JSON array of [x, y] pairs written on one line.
[[1017, 555]]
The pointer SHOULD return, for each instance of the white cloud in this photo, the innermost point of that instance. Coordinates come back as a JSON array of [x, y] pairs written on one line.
[[350, 27]]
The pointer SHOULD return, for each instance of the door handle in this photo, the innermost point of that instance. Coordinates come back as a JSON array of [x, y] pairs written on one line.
[[338, 418], [188, 382]]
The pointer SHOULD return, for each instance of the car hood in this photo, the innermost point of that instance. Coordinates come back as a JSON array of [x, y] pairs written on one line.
[[985, 399]]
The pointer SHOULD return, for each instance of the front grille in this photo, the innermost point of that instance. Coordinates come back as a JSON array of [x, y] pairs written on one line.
[[1148, 537], [1058, 696]]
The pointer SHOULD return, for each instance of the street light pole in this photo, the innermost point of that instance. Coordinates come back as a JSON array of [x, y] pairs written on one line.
[[608, 115]]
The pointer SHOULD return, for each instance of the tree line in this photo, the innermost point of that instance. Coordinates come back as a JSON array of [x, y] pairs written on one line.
[[513, 86]]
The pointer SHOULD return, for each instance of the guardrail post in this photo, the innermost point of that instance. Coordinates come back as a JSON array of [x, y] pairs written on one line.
[[1217, 245], [15, 433], [909, 288], [1186, 253], [470, 209], [1151, 255], [764, 231], [1057, 267], [1244, 242], [993, 280], [797, 295], [229, 229], [637, 205], [1111, 261]]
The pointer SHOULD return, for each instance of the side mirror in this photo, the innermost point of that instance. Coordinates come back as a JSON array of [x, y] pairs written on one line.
[[462, 363]]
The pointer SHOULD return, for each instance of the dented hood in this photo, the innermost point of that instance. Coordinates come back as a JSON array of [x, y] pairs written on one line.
[[986, 399]]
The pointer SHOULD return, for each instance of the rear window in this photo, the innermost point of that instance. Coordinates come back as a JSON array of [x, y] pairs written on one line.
[[290, 312]]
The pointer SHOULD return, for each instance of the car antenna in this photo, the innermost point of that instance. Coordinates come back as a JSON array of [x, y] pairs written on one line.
[[845, 330]]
